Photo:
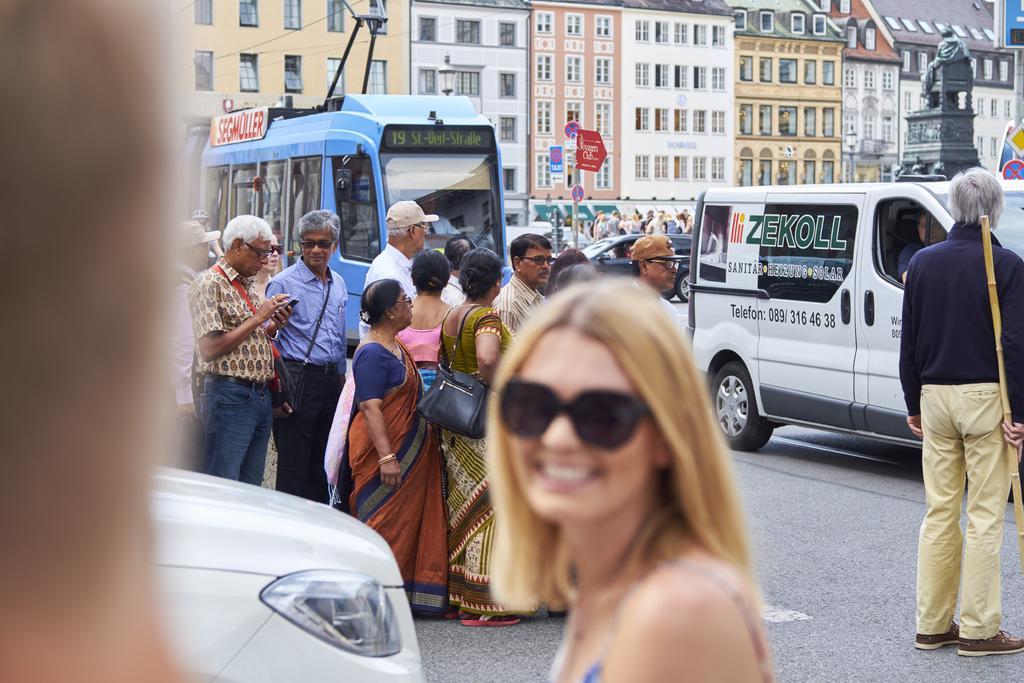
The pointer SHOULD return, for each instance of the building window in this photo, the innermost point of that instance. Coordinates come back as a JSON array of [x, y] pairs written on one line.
[[718, 168], [810, 71], [604, 175], [1004, 70], [467, 32], [700, 168], [661, 120], [700, 121], [573, 24], [332, 68], [869, 79], [887, 80], [681, 167], [1006, 109], [643, 75], [849, 78], [922, 61], [378, 77], [544, 117], [467, 82], [642, 167], [718, 122], [987, 73], [507, 34], [603, 71], [905, 54], [808, 172], [603, 118], [746, 68], [741, 20], [428, 82], [661, 32], [508, 129], [787, 121], [746, 119], [828, 172], [797, 22], [766, 69], [661, 167], [643, 119], [661, 75], [293, 14], [746, 172], [509, 179], [681, 120], [700, 35], [508, 85], [819, 24], [764, 175], [573, 112], [851, 37], [869, 126], [642, 31], [810, 121], [767, 20], [248, 73], [764, 119], [203, 60], [544, 22], [682, 34], [700, 78], [680, 74], [203, 12], [336, 17], [248, 13], [828, 73], [869, 38], [717, 36], [787, 71], [543, 67], [906, 101], [991, 147], [844, 6], [828, 122], [994, 107], [603, 27], [574, 69], [718, 78], [292, 74], [979, 105], [543, 170], [887, 128]]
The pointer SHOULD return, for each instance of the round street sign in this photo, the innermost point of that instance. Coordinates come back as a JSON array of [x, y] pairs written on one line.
[[577, 193], [572, 128], [1014, 170]]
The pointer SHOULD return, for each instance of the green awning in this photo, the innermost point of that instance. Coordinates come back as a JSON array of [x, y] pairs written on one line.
[[584, 213], [606, 208], [543, 211]]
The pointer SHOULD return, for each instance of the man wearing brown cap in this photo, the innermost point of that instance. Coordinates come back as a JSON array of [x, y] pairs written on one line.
[[654, 264]]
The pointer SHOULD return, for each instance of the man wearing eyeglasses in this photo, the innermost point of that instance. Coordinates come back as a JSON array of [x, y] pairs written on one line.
[[654, 264], [313, 348], [233, 328], [531, 262]]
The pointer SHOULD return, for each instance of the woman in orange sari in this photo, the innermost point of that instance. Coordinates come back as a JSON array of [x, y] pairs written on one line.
[[393, 453]]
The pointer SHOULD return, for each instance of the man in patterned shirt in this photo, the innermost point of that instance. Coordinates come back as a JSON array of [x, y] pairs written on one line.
[[233, 328], [531, 260]]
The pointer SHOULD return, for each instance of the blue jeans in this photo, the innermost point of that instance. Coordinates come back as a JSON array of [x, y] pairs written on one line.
[[236, 430]]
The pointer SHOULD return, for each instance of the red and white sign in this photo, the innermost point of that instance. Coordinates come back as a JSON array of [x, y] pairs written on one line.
[[239, 126], [590, 151]]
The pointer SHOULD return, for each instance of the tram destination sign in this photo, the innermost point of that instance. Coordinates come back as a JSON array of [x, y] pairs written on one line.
[[239, 126], [437, 138]]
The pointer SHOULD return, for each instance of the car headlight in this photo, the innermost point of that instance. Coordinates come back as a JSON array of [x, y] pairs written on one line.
[[346, 609]]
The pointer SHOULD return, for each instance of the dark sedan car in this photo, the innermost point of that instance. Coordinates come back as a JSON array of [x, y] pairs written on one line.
[[611, 255]]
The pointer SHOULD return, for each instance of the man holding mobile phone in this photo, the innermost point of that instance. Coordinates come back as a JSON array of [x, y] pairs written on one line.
[[313, 347]]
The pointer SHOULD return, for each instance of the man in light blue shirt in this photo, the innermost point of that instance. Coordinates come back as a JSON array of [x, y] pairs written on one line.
[[313, 347]]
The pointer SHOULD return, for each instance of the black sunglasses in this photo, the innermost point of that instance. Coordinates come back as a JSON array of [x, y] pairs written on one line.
[[605, 419], [323, 244]]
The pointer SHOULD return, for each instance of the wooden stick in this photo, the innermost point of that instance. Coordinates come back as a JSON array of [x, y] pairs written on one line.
[[1004, 396]]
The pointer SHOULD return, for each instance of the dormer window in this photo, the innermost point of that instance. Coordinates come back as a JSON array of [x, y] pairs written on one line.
[[767, 22], [844, 6], [796, 22], [869, 38], [819, 24], [851, 36], [741, 20]]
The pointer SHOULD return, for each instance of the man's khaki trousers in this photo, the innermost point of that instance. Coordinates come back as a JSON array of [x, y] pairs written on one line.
[[962, 436]]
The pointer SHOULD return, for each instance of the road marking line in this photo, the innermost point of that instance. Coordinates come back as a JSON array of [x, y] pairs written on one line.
[[776, 615]]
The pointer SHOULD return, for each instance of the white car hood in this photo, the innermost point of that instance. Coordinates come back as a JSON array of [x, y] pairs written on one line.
[[212, 523]]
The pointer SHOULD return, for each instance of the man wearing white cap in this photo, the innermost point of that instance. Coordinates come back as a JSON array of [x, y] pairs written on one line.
[[407, 229], [194, 247]]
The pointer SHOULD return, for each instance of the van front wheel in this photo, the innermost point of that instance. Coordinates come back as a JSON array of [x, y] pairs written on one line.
[[736, 409]]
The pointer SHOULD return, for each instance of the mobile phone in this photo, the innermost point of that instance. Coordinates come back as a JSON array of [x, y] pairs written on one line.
[[291, 304]]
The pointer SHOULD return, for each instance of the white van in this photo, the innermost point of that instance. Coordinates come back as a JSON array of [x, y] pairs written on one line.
[[796, 301]]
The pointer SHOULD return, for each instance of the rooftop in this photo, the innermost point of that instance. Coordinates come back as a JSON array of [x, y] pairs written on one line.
[[507, 4], [883, 51], [914, 22], [782, 26], [719, 7]]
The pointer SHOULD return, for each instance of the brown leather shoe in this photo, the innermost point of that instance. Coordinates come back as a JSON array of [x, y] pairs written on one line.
[[936, 640], [1001, 643]]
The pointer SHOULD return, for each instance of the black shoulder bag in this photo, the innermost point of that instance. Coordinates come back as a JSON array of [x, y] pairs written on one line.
[[456, 401], [294, 372]]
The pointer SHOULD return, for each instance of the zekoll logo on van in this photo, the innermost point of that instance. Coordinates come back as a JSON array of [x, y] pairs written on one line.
[[798, 231]]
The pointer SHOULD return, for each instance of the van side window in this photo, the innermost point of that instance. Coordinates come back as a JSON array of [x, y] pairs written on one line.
[[243, 200], [303, 192], [272, 176], [356, 199], [902, 228], [217, 196], [806, 250]]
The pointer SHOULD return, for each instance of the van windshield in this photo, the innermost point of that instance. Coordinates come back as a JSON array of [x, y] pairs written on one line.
[[1010, 231]]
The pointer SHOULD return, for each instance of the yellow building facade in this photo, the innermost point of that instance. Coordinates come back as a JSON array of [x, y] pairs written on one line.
[[788, 95], [243, 53]]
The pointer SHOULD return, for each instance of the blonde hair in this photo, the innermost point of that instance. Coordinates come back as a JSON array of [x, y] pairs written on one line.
[[701, 506]]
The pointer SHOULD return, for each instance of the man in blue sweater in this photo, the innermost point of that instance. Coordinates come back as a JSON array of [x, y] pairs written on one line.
[[950, 378]]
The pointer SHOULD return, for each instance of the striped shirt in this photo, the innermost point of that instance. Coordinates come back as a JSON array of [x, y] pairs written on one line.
[[515, 302]]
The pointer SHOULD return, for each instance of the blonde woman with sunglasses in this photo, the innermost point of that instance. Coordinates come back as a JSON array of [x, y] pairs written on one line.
[[615, 494]]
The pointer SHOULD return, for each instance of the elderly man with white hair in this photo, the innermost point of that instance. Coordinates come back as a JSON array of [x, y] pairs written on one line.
[[233, 329], [950, 378]]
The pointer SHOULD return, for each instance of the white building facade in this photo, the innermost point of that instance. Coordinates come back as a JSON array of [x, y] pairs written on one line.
[[677, 80], [486, 42]]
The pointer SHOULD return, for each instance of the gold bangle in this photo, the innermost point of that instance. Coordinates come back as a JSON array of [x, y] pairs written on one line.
[[387, 458]]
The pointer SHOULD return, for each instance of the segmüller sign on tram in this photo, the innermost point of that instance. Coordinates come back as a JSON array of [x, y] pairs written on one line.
[[239, 126], [590, 151]]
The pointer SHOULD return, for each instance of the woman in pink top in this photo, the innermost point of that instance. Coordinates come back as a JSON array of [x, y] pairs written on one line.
[[430, 271]]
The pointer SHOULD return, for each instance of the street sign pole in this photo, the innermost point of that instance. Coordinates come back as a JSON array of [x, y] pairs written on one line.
[[576, 206]]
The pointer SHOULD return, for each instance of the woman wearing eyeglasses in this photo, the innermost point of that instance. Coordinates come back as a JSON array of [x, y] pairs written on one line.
[[474, 339], [393, 456], [615, 494]]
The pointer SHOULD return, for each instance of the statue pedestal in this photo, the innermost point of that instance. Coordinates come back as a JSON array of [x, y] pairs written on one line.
[[939, 141]]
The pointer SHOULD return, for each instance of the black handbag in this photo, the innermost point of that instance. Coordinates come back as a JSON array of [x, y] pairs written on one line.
[[456, 401]]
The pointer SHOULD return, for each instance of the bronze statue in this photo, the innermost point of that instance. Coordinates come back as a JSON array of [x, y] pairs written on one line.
[[951, 50]]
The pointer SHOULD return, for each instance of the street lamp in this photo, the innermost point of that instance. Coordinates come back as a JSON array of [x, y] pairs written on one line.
[[850, 140], [447, 74]]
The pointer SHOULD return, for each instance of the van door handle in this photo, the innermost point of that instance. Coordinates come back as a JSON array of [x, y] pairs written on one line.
[[844, 307], [869, 308]]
